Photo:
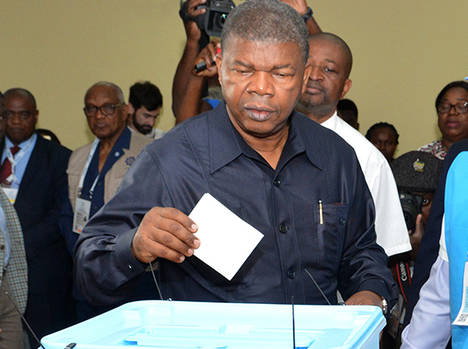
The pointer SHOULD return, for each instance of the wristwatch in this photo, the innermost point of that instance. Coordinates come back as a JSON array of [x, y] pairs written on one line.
[[307, 15], [384, 306]]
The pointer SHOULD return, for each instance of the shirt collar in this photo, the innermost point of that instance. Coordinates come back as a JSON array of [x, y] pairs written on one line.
[[22, 145], [226, 144], [332, 122]]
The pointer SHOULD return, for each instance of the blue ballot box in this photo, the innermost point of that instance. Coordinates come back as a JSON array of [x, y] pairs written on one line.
[[171, 324]]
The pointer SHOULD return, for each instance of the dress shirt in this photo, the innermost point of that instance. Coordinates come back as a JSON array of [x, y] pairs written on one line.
[[6, 235], [97, 199], [21, 158], [390, 225], [206, 154]]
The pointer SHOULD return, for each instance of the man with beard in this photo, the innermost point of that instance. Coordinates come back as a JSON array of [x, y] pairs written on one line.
[[257, 156], [144, 106], [331, 62], [96, 169]]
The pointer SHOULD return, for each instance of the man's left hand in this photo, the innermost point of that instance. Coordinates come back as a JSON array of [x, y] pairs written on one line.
[[365, 298]]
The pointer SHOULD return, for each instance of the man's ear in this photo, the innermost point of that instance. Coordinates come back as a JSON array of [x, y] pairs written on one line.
[[131, 109], [36, 117], [346, 87], [305, 78]]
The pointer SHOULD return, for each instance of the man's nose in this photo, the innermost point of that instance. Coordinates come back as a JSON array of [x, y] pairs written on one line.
[[261, 84], [316, 73]]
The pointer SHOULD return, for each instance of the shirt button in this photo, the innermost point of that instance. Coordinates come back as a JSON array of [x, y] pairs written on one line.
[[291, 274], [342, 221], [283, 228], [277, 182]]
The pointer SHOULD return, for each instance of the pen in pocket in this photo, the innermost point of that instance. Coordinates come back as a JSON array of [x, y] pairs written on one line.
[[320, 211]]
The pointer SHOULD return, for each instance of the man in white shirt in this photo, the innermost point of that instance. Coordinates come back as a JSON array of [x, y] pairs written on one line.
[[331, 61]]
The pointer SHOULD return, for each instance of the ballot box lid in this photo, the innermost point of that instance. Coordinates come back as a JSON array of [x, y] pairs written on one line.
[[194, 325]]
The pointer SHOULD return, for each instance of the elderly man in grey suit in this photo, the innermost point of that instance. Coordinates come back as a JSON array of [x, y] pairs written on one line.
[[13, 269]]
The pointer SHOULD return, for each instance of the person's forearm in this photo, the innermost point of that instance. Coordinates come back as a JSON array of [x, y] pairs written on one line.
[[185, 84], [312, 26]]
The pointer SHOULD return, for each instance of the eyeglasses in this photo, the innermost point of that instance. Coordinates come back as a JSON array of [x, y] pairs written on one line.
[[460, 108], [23, 114], [106, 109]]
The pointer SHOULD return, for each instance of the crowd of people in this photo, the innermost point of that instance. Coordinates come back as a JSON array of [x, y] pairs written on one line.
[[85, 231]]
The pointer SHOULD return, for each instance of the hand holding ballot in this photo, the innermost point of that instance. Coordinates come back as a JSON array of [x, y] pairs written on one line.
[[167, 233]]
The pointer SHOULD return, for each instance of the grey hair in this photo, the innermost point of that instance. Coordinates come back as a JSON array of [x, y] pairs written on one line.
[[18, 91], [268, 21], [120, 93]]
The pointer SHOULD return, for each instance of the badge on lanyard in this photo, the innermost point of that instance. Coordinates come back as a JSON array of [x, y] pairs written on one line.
[[462, 317], [81, 215], [11, 193]]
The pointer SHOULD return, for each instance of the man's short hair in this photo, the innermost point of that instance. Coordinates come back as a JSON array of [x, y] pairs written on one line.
[[120, 94], [347, 104], [145, 94], [268, 21], [382, 125], [333, 38], [453, 84], [18, 91]]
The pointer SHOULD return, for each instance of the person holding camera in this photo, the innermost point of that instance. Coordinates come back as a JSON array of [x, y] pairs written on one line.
[[416, 174], [195, 90]]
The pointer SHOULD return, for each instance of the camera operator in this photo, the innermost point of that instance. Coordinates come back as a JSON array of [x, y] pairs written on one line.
[[416, 174], [194, 92]]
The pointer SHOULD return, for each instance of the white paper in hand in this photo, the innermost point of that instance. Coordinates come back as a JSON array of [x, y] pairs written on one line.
[[226, 241]]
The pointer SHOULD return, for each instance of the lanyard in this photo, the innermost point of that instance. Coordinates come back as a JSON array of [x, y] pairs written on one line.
[[85, 170], [17, 158]]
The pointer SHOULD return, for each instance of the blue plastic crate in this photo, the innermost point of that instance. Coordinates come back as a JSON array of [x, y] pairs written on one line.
[[171, 324]]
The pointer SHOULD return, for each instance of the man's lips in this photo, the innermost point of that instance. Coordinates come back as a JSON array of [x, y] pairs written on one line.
[[259, 112], [313, 89]]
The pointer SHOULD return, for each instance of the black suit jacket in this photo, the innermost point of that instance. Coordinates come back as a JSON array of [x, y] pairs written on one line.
[[41, 193]]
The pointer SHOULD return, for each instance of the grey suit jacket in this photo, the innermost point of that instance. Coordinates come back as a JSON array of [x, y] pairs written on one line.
[[17, 267]]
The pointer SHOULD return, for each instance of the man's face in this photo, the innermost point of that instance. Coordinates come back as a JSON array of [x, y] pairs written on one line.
[[105, 126], [452, 124], [384, 139], [328, 81], [143, 119], [21, 118], [261, 84]]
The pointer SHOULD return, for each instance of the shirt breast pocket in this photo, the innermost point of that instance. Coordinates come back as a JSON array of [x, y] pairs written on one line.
[[323, 239]]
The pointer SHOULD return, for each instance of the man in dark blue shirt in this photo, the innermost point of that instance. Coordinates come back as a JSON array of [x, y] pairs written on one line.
[[293, 180]]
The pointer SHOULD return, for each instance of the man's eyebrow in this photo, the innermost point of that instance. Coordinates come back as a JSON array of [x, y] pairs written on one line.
[[247, 65]]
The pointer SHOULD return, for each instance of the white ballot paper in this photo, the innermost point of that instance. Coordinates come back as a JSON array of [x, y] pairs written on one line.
[[226, 241]]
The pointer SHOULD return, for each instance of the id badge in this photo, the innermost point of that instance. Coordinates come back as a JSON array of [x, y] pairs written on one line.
[[462, 317], [81, 215], [11, 193]]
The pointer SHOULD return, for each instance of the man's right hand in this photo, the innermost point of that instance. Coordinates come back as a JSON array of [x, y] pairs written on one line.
[[191, 28], [165, 232]]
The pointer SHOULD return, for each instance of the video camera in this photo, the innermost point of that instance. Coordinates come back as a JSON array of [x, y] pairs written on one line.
[[212, 21], [411, 205]]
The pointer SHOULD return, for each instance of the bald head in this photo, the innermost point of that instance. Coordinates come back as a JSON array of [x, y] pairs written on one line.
[[22, 93], [105, 85], [338, 43]]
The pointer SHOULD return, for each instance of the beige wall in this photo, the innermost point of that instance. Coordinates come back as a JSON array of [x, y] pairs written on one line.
[[405, 51]]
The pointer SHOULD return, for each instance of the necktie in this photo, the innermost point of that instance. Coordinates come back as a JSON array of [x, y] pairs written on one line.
[[5, 170]]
